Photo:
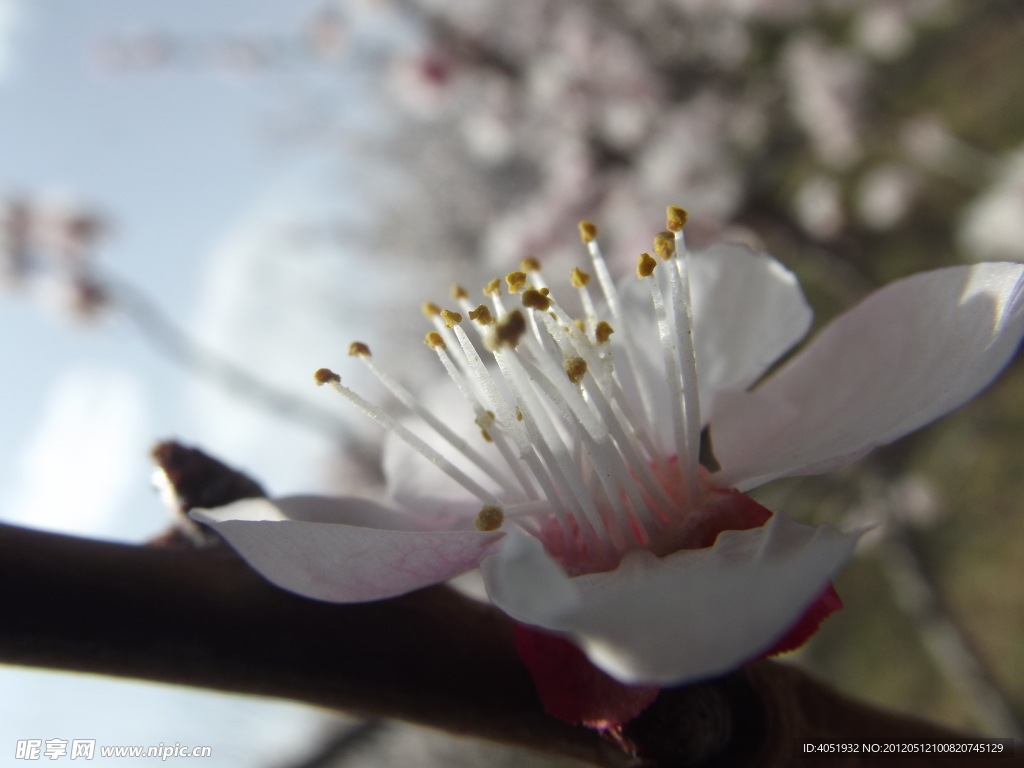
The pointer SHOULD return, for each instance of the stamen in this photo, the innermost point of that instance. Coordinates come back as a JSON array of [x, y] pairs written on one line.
[[458, 292], [516, 281], [358, 349], [509, 330], [603, 332], [430, 309], [672, 375], [490, 518], [576, 369], [578, 277], [665, 245], [588, 233], [534, 299], [676, 218], [493, 288], [547, 442], [682, 307], [434, 341], [481, 314], [607, 461], [531, 266], [599, 429], [515, 511], [572, 342], [498, 437], [451, 319], [409, 401], [326, 376], [513, 428], [645, 265]]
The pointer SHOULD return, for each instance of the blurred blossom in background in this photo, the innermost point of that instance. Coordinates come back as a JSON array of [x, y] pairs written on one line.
[[203, 204]]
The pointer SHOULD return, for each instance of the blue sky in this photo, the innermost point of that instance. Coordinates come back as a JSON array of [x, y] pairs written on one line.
[[177, 162]]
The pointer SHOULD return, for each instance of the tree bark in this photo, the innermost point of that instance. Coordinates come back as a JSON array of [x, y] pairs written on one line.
[[202, 617]]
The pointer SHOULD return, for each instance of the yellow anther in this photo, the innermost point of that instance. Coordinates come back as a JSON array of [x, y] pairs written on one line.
[[326, 376], [358, 349], [604, 331], [529, 264], [484, 421], [545, 291], [645, 265], [587, 232], [676, 218], [580, 324], [481, 314], [451, 319], [576, 369], [430, 309], [490, 518], [508, 331], [578, 277], [519, 415], [665, 245], [534, 299], [516, 281], [493, 288], [435, 341], [458, 292]]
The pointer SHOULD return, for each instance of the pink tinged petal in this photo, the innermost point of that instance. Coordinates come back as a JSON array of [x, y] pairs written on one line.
[[906, 355], [748, 310], [343, 563], [688, 616]]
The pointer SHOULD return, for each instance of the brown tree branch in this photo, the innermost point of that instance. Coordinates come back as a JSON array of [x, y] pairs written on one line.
[[201, 617]]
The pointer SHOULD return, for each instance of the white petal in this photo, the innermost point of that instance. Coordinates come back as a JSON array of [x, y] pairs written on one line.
[[748, 310], [909, 353], [688, 616], [343, 563], [526, 583]]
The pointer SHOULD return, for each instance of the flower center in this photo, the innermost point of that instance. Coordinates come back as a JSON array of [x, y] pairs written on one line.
[[580, 464]]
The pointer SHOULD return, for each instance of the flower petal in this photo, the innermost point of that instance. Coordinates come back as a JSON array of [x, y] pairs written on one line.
[[909, 353], [688, 616], [343, 561], [748, 310]]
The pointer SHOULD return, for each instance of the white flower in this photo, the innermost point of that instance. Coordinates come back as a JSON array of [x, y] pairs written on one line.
[[592, 516]]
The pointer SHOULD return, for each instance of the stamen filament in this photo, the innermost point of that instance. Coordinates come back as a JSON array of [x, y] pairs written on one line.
[[607, 461], [673, 379], [413, 441], [547, 442], [611, 296], [687, 357], [513, 428], [498, 436], [410, 402]]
